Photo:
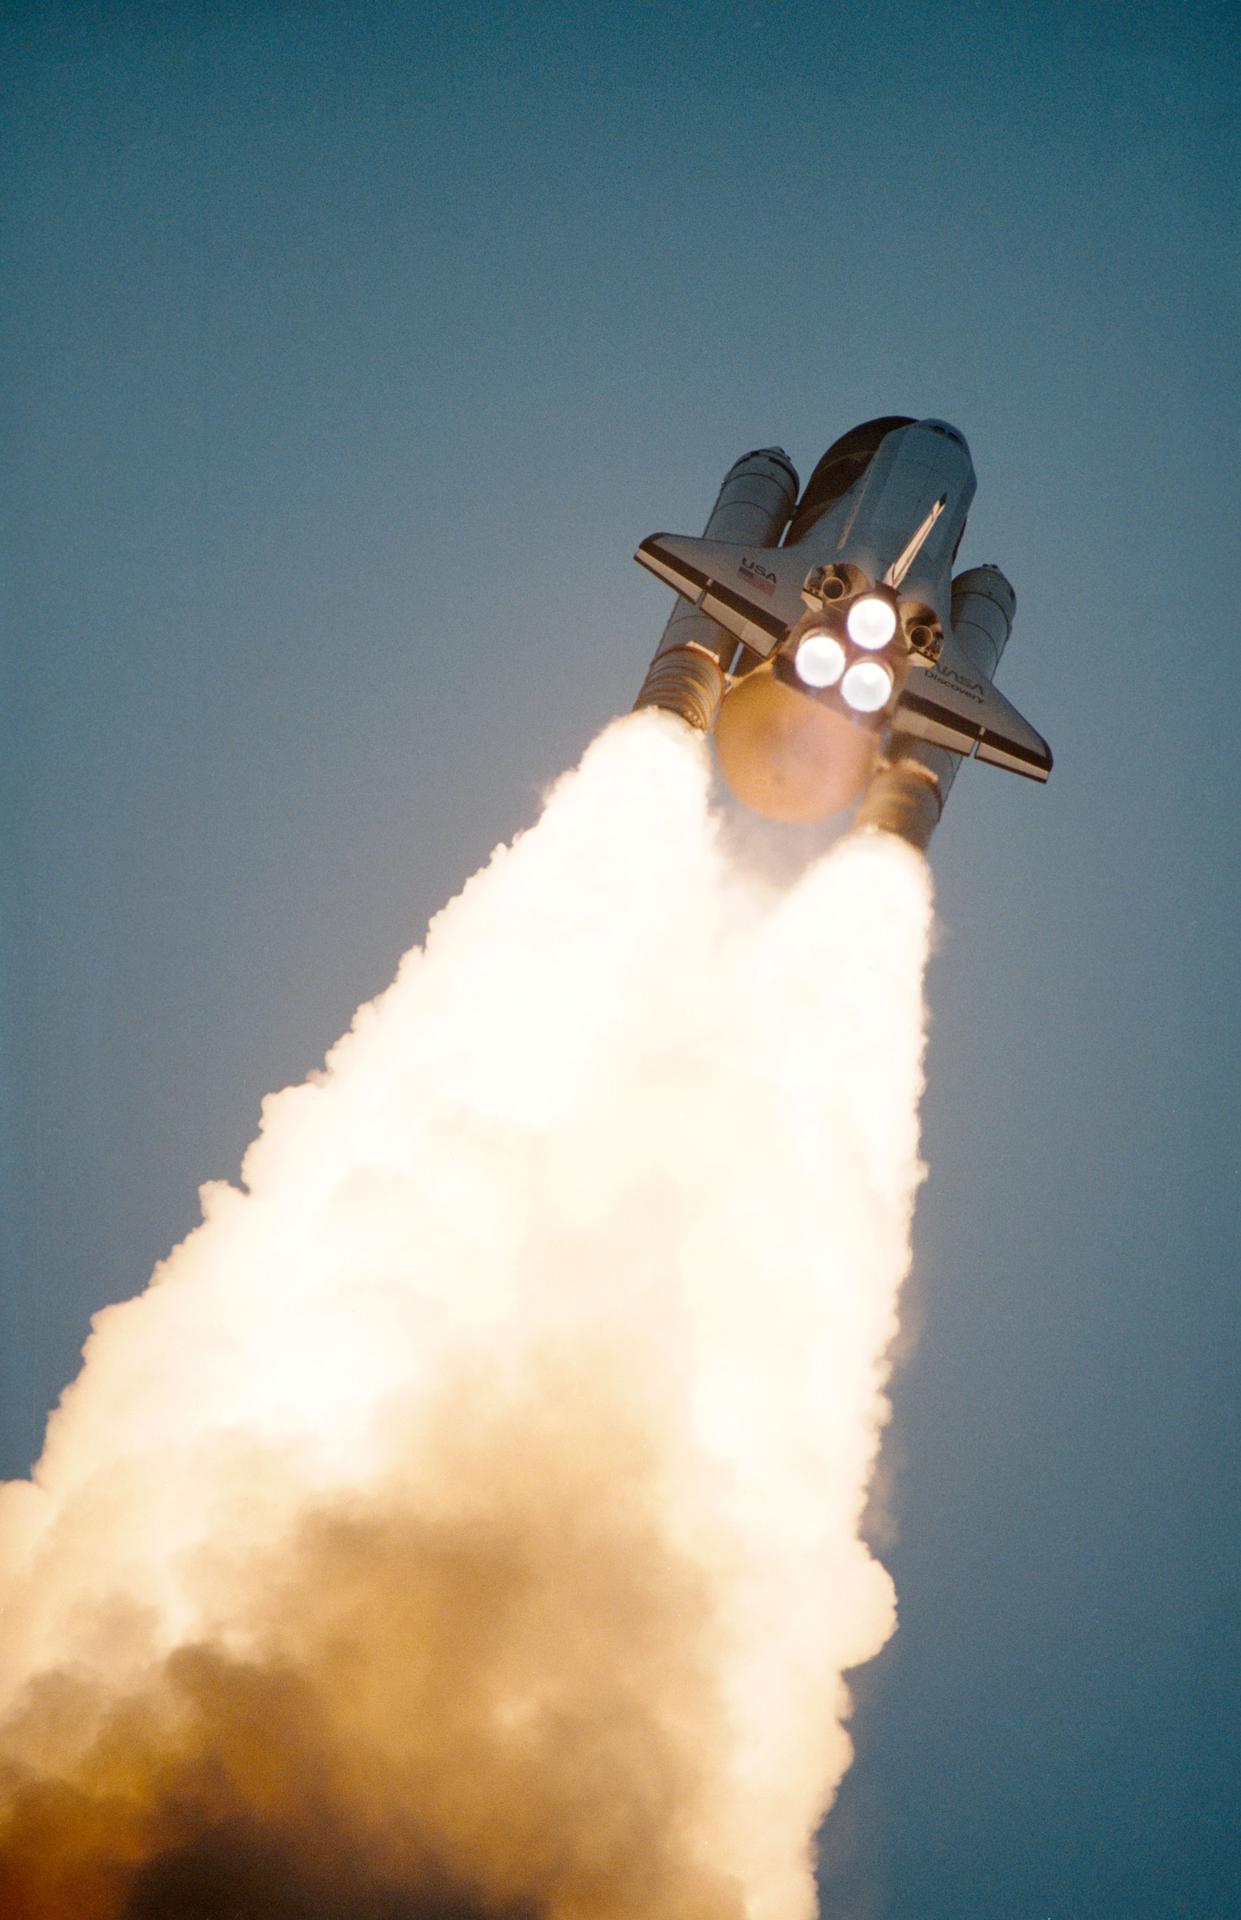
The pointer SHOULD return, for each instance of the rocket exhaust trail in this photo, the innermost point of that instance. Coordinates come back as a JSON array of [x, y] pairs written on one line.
[[465, 1521]]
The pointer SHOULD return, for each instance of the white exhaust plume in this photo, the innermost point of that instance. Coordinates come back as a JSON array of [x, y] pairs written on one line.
[[465, 1522]]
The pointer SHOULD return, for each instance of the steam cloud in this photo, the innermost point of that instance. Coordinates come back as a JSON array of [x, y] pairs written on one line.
[[465, 1522]]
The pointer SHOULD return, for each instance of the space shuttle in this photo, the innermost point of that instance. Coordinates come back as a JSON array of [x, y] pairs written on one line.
[[824, 641]]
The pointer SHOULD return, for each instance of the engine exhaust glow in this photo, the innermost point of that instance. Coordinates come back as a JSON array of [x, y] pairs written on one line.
[[867, 686], [871, 621], [820, 658], [466, 1518]]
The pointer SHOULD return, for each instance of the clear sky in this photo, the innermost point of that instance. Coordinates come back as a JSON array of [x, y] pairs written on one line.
[[349, 350]]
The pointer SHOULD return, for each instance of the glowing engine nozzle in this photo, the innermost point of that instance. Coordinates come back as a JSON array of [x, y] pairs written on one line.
[[786, 756], [871, 621]]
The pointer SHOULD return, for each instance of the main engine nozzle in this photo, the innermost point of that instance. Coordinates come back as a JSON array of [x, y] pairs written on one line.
[[797, 738]]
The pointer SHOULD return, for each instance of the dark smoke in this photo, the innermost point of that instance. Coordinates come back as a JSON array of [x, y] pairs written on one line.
[[486, 1712], [238, 1871]]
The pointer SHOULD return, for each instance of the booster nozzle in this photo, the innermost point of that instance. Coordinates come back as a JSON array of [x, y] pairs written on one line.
[[904, 798], [687, 681]]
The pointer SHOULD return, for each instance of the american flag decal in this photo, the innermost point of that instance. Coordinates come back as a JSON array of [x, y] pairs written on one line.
[[756, 576]]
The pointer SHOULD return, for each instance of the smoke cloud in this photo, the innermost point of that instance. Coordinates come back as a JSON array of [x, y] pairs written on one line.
[[464, 1524]]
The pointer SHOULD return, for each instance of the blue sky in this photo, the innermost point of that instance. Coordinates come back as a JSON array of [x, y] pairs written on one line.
[[349, 351]]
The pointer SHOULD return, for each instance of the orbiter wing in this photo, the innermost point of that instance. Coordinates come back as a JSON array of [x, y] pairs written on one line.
[[951, 705], [753, 592]]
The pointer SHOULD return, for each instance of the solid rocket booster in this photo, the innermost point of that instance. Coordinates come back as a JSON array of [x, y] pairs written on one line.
[[912, 784], [687, 674]]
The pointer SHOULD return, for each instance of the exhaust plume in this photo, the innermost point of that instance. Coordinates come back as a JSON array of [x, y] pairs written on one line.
[[464, 1524]]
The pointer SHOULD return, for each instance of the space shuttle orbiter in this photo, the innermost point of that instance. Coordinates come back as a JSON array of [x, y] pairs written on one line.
[[845, 658]]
